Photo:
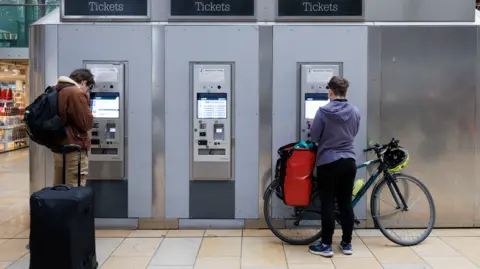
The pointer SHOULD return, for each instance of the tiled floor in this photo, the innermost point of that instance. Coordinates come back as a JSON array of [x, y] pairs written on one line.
[[223, 249]]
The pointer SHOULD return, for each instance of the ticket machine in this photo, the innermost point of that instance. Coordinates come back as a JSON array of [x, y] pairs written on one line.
[[107, 154], [212, 122], [313, 91]]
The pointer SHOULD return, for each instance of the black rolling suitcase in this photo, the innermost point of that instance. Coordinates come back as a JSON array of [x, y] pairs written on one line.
[[62, 228]]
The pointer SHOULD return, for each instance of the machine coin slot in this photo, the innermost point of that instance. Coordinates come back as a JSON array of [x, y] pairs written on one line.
[[94, 133], [95, 142], [202, 142], [203, 134], [95, 125]]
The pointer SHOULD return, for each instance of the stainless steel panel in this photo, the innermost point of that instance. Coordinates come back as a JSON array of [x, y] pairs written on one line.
[[428, 81], [158, 120], [265, 113], [111, 44], [477, 134], [350, 48], [211, 223], [420, 10], [374, 98]]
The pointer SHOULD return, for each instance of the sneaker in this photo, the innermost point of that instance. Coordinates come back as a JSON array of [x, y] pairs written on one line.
[[321, 249], [346, 248]]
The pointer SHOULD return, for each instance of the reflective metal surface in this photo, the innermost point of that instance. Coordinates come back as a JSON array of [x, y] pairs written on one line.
[[158, 121], [428, 102]]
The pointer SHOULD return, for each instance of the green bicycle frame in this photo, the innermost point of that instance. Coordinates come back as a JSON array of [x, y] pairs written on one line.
[[369, 183]]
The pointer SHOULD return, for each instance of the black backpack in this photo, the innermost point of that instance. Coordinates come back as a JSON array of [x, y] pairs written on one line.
[[44, 125]]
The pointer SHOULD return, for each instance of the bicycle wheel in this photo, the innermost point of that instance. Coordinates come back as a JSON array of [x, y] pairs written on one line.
[[415, 229], [300, 235]]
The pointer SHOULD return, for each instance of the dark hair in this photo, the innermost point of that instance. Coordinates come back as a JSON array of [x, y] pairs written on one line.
[[338, 86], [80, 75]]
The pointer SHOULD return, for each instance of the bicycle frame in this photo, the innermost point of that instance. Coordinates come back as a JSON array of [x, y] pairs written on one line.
[[369, 182]]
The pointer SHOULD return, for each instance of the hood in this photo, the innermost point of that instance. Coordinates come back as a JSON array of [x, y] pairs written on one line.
[[64, 79], [338, 111]]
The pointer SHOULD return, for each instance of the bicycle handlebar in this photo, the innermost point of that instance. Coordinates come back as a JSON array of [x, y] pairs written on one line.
[[377, 147]]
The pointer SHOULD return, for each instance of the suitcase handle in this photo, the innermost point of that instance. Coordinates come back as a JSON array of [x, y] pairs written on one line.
[[61, 186], [67, 149]]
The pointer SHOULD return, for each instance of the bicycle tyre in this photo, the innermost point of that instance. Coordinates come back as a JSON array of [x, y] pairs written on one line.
[[267, 198], [373, 209]]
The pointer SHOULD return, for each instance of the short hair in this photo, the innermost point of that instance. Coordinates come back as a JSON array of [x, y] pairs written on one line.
[[338, 85], [83, 74]]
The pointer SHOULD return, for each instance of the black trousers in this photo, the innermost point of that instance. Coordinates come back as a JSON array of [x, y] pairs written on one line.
[[336, 184]]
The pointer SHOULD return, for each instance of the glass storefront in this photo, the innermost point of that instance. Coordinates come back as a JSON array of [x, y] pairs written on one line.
[[13, 100], [17, 15]]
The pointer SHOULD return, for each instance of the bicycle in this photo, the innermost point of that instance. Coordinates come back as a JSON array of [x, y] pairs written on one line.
[[390, 178]]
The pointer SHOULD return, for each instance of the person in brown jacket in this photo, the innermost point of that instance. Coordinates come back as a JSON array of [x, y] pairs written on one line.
[[74, 110]]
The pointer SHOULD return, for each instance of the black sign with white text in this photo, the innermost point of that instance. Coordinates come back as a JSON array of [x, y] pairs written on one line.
[[320, 8], [231, 8], [112, 8]]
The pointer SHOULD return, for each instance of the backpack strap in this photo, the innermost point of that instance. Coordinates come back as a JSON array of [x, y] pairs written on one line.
[[63, 86]]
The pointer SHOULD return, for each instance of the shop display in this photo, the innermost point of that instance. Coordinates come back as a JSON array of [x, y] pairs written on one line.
[[13, 134]]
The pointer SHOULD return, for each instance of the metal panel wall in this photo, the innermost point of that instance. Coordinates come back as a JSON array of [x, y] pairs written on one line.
[[477, 133], [312, 44], [229, 43], [420, 10], [428, 89], [132, 44]]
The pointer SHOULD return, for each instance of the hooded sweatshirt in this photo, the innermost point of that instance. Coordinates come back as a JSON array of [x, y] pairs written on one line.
[[334, 128]]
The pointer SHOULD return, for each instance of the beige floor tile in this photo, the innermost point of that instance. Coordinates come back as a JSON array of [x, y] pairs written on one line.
[[412, 233], [368, 232], [450, 262], [23, 263], [12, 250], [14, 226], [185, 233], [217, 263], [137, 247], [456, 232], [387, 252], [148, 233], [126, 263], [466, 246], [112, 233], [435, 247], [312, 266], [406, 266], [300, 255], [257, 233], [360, 250], [23, 235], [105, 248], [169, 267], [262, 252], [356, 263], [223, 233], [3, 241], [4, 265], [221, 247], [177, 251]]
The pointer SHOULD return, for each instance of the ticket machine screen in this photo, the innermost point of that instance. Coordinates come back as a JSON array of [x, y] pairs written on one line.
[[105, 104], [211, 105], [313, 101]]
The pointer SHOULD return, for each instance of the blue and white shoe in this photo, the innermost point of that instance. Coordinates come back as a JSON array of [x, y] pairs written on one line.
[[321, 249], [346, 248]]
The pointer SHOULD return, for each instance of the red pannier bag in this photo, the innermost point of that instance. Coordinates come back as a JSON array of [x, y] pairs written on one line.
[[294, 171]]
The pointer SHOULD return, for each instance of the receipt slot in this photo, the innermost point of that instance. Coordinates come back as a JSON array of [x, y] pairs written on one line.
[[106, 158], [212, 121], [313, 91]]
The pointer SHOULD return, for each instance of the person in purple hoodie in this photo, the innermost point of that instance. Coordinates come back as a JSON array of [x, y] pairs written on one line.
[[333, 129]]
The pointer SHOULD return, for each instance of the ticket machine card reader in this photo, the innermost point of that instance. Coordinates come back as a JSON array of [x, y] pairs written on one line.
[[314, 79]]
